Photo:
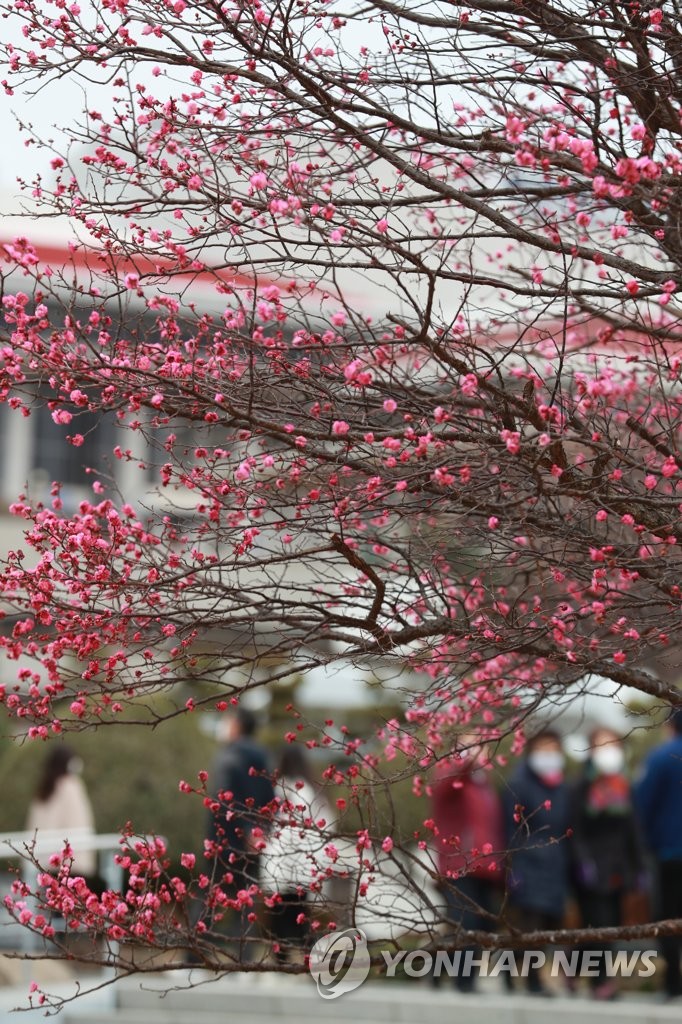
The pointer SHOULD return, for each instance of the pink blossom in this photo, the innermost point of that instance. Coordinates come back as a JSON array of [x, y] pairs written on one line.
[[469, 384], [512, 440]]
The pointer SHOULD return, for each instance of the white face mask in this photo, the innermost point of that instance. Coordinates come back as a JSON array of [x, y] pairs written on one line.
[[546, 763], [608, 760]]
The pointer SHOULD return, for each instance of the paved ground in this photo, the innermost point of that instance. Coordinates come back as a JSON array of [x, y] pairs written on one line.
[[261, 998]]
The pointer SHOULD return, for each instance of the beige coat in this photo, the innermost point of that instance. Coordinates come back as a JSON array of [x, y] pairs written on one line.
[[67, 810]]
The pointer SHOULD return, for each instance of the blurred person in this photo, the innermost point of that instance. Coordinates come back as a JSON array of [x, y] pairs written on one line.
[[61, 804], [658, 799], [537, 819], [293, 849], [467, 813], [606, 855], [242, 790]]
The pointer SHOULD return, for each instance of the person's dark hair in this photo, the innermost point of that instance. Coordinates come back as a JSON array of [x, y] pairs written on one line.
[[56, 765], [542, 737], [247, 721], [293, 764], [676, 721]]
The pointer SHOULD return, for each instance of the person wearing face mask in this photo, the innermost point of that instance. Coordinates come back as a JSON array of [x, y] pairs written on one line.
[[606, 855], [537, 819], [467, 814]]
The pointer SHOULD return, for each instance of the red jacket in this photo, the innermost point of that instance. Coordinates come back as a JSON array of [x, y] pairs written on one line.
[[468, 815]]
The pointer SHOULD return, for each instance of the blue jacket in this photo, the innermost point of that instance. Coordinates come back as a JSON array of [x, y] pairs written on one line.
[[658, 799], [539, 868]]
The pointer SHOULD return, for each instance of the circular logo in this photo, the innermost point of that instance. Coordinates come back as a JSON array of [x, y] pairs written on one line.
[[339, 963]]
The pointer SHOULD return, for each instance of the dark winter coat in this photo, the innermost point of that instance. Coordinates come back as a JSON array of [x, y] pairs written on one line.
[[241, 770], [605, 847], [538, 875], [658, 799]]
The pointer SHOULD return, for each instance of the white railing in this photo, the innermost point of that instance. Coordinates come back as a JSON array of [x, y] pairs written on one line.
[[38, 846], [42, 843]]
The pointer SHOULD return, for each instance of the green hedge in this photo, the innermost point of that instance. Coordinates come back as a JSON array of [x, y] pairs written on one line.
[[131, 772]]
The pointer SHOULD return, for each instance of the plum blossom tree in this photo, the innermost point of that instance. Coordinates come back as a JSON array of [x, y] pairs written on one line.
[[385, 294]]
